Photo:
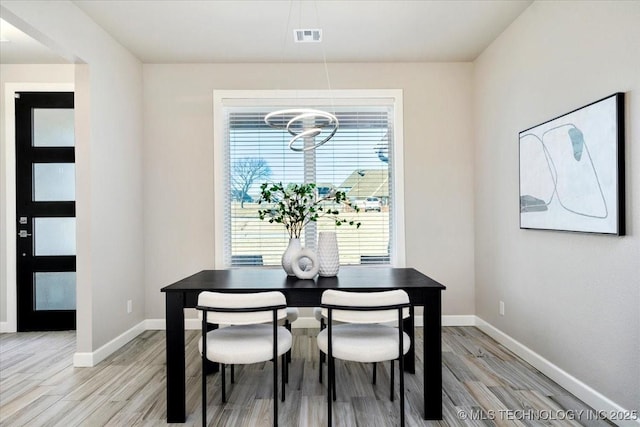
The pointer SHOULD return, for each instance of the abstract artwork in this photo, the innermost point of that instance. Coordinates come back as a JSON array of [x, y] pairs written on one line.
[[572, 170]]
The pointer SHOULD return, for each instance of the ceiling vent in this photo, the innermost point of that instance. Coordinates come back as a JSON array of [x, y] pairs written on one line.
[[307, 36]]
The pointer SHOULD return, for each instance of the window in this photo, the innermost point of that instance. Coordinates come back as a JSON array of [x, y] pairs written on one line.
[[364, 159]]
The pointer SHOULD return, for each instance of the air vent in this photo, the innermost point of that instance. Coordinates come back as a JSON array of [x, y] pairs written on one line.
[[307, 36]]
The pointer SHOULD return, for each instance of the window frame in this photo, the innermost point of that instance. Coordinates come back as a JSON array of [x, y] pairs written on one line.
[[297, 98]]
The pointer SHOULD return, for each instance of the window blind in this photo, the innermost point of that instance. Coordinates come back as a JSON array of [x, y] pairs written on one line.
[[356, 160]]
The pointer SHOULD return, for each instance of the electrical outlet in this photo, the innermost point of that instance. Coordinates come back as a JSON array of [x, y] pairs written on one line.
[[501, 308], [129, 306]]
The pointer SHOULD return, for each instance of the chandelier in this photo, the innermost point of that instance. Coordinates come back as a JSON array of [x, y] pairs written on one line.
[[305, 124]]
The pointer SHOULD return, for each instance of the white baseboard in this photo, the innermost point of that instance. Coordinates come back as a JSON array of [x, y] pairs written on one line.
[[461, 320], [305, 322], [155, 324], [5, 328], [192, 324], [576, 387], [87, 360], [311, 322]]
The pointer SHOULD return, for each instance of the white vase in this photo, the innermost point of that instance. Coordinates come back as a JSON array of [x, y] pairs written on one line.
[[305, 264], [293, 248], [328, 256]]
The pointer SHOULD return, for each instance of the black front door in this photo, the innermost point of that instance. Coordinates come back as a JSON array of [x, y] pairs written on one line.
[[45, 211]]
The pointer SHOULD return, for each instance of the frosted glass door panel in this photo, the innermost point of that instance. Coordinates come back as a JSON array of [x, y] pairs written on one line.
[[55, 236], [55, 291], [54, 182], [53, 127]]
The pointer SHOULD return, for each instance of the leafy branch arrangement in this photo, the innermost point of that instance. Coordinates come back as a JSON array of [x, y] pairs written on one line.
[[295, 205]]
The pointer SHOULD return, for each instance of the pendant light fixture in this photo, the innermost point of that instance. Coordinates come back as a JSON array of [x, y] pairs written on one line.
[[296, 122], [303, 123]]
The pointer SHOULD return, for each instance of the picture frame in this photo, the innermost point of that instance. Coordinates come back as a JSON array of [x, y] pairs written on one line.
[[571, 170]]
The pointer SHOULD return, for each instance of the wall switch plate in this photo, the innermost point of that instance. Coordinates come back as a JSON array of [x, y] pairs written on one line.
[[129, 306], [501, 308]]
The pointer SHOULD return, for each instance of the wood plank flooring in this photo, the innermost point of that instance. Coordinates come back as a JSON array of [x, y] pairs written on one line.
[[484, 384]]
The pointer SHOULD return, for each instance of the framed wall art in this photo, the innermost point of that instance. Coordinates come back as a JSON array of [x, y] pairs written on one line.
[[572, 170]]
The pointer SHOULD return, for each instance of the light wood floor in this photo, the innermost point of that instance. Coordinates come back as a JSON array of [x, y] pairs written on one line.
[[481, 379]]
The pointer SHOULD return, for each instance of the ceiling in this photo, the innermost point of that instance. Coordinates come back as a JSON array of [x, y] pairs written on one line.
[[18, 48], [218, 31]]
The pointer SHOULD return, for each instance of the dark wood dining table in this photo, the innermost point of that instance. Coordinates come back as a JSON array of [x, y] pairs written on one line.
[[423, 292]]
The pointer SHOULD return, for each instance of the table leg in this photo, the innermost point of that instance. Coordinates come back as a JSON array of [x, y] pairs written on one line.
[[432, 357], [176, 395], [409, 327]]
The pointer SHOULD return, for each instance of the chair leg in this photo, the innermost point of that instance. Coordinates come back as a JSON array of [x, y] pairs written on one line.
[[333, 376], [322, 355], [233, 378], [375, 366], [285, 370], [322, 326], [285, 374], [204, 395], [330, 381], [401, 375], [391, 381], [287, 325], [223, 368], [275, 391]]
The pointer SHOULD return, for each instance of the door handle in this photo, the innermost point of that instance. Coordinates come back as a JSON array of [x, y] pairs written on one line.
[[23, 234]]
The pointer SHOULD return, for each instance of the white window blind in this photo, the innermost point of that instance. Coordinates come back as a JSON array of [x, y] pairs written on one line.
[[357, 160]]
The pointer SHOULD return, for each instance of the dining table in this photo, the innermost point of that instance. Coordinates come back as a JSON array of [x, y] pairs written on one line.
[[423, 291]]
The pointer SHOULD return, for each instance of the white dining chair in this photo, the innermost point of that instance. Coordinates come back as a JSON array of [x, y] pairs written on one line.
[[365, 334], [317, 313], [253, 335], [292, 316], [254, 260]]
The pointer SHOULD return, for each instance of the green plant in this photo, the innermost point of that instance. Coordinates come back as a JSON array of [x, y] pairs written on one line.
[[295, 205]]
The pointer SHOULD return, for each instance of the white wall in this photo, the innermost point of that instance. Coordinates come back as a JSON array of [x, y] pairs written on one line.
[[22, 74], [179, 212], [572, 298], [108, 166]]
